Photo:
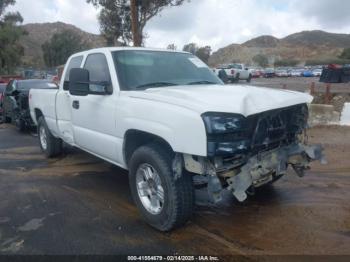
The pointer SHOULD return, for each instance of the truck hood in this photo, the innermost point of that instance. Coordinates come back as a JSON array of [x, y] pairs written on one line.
[[239, 99]]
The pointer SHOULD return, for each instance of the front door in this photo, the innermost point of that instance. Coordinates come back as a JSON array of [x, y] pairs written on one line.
[[63, 102], [94, 115]]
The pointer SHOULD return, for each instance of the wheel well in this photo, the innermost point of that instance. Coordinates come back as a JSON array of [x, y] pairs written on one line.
[[38, 113], [135, 138]]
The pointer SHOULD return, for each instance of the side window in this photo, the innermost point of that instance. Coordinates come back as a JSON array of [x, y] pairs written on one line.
[[75, 62], [99, 71]]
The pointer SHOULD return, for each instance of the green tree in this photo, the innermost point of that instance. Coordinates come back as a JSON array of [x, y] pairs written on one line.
[[345, 54], [204, 53], [11, 51], [61, 46], [115, 21], [261, 60], [191, 48], [171, 47]]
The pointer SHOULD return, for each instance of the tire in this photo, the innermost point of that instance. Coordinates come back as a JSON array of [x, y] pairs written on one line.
[[50, 145], [178, 193], [20, 125], [249, 79], [7, 119], [237, 78]]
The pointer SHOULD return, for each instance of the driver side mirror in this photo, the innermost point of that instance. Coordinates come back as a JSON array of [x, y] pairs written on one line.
[[80, 84], [79, 79]]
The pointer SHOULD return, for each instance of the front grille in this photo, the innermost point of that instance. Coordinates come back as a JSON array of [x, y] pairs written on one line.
[[268, 130]]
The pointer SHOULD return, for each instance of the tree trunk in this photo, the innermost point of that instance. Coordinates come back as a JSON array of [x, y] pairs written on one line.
[[137, 39]]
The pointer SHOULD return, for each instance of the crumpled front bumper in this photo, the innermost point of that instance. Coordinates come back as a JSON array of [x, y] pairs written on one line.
[[262, 168]]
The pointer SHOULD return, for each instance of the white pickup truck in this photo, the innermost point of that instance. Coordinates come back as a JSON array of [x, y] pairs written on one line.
[[166, 117], [235, 72]]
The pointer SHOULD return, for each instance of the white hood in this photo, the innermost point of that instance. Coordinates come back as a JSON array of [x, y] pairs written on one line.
[[239, 99]]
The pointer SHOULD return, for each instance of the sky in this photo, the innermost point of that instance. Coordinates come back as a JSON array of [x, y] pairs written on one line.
[[217, 23]]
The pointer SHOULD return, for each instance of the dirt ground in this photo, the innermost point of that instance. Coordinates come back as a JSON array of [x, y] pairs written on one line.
[[78, 204]]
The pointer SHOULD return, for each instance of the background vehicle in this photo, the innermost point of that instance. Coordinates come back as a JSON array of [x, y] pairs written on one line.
[[174, 126], [296, 72], [282, 73], [16, 107], [2, 94], [307, 73], [317, 72], [256, 72], [269, 73], [235, 72]]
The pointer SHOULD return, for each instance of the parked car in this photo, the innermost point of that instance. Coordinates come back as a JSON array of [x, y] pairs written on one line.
[[256, 72], [296, 72], [2, 95], [171, 122], [317, 72], [235, 72], [16, 107], [269, 73], [281, 73], [307, 73]]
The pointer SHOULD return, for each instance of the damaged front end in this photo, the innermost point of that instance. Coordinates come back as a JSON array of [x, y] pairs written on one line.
[[246, 153]]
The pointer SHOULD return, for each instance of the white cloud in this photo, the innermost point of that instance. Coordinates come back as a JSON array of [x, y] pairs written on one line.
[[207, 22], [76, 12]]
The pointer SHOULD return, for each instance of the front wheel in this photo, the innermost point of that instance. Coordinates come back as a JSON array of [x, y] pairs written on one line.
[[49, 144], [165, 201]]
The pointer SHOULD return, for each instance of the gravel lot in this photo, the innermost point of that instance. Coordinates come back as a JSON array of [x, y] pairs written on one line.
[[78, 204]]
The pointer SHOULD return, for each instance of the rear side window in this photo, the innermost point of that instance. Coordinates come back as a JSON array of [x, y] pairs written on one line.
[[98, 69], [75, 62]]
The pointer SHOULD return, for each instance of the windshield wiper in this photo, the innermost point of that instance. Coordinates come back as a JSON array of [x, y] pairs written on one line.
[[202, 82], [156, 84]]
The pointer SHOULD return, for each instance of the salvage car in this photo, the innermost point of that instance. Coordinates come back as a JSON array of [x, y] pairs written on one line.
[[170, 121], [16, 104], [2, 94]]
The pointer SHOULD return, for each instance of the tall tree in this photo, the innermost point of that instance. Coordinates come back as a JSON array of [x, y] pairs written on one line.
[[115, 22], [345, 54], [204, 53], [191, 48], [61, 46], [171, 47], [10, 49], [261, 60]]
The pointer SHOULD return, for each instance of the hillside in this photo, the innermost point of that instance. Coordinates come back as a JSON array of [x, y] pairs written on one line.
[[303, 46], [38, 34]]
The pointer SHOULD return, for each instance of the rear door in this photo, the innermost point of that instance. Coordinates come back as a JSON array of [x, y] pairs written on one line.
[[63, 103], [94, 115]]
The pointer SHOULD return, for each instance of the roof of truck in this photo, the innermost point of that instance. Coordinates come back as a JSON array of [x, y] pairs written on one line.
[[120, 48]]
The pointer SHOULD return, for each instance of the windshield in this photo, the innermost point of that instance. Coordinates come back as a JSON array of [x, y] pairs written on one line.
[[139, 70]]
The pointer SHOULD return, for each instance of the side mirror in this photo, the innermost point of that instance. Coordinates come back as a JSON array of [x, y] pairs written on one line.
[[247, 69], [79, 82]]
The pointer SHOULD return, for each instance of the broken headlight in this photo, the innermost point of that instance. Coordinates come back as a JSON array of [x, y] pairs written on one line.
[[222, 123], [226, 134]]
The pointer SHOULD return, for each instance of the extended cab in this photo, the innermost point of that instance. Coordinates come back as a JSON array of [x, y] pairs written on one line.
[[235, 72], [166, 117]]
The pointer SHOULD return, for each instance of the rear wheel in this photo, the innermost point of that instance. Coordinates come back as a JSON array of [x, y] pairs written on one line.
[[49, 144], [249, 79], [20, 125], [164, 201]]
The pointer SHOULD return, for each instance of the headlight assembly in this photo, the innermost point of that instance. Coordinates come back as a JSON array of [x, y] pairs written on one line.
[[222, 123]]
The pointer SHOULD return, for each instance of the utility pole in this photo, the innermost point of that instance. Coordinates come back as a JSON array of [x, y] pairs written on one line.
[[135, 23]]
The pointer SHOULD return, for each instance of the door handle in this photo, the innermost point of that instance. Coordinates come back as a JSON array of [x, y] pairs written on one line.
[[76, 104]]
